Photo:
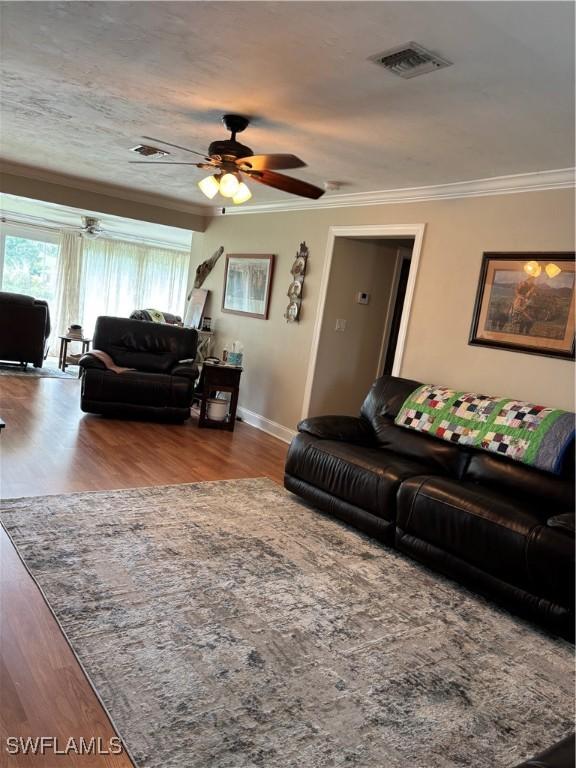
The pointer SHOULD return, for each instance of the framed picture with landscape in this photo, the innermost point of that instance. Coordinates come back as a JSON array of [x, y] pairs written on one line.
[[247, 281], [525, 303]]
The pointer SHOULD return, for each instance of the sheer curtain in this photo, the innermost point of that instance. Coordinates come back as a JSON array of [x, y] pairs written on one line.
[[66, 306], [118, 276]]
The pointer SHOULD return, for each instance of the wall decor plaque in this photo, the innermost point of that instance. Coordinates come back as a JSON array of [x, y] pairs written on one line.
[[295, 288]]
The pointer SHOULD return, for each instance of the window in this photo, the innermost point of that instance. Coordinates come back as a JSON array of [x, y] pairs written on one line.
[[29, 266], [97, 277], [118, 277]]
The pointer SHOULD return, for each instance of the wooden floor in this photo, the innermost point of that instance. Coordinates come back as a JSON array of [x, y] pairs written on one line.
[[50, 447]]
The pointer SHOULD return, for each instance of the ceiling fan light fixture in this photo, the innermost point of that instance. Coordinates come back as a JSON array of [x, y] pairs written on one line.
[[90, 228], [242, 195], [229, 184], [209, 186]]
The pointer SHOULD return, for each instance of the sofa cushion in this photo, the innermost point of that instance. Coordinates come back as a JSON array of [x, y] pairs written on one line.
[[522, 482], [497, 533], [146, 346], [366, 477], [382, 404], [347, 429], [137, 388], [385, 398]]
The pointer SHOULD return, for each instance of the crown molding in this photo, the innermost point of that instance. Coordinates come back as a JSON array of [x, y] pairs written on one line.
[[101, 188], [537, 181]]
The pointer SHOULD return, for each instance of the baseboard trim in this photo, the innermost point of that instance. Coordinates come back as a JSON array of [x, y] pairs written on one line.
[[266, 425]]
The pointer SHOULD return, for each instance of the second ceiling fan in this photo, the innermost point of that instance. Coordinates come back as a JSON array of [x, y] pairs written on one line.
[[229, 161]]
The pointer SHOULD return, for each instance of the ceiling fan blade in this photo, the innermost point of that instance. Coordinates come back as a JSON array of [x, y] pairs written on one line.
[[163, 162], [176, 146], [286, 184], [270, 162]]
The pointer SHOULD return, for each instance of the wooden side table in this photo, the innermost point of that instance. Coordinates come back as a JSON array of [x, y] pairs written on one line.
[[64, 341], [219, 378]]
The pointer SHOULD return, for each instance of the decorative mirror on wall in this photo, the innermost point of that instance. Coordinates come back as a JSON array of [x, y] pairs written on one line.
[[298, 273]]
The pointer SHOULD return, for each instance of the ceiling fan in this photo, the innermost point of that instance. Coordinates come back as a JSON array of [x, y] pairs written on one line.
[[91, 228], [231, 161]]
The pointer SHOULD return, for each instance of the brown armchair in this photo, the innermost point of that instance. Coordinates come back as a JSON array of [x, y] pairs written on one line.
[[24, 329]]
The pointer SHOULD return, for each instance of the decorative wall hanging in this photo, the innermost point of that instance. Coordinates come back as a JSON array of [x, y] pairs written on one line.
[[247, 283], [205, 268], [298, 272], [525, 303]]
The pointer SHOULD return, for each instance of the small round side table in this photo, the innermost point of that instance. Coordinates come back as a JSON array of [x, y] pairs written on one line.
[[64, 341]]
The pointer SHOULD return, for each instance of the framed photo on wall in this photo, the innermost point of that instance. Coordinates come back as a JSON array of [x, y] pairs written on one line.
[[247, 281], [525, 303]]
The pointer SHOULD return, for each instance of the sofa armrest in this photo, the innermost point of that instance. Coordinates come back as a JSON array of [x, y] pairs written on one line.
[[347, 429], [565, 522], [88, 360], [189, 370]]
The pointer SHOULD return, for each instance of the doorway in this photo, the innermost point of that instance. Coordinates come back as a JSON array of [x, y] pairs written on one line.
[[362, 319]]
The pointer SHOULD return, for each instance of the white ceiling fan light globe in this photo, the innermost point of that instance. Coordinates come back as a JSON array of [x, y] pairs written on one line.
[[242, 194], [229, 185], [209, 186]]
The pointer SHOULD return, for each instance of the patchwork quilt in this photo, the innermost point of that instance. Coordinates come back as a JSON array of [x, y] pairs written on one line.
[[528, 433]]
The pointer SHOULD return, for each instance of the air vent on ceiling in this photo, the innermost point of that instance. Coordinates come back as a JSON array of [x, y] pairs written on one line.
[[147, 151], [410, 60]]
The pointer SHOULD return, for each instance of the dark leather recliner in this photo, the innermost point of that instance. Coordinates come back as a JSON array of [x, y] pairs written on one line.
[[161, 386], [24, 329], [498, 526]]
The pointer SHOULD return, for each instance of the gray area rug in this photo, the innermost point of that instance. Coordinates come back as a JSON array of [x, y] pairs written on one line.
[[37, 373], [228, 625]]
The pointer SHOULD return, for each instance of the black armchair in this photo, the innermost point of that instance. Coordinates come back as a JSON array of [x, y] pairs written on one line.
[[160, 382], [24, 329]]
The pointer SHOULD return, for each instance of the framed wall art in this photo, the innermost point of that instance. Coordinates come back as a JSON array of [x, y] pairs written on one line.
[[247, 281], [525, 303]]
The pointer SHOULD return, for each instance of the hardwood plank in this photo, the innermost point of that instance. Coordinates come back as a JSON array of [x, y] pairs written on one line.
[[49, 446]]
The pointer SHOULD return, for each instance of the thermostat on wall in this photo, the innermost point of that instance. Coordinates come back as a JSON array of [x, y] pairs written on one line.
[[362, 297]]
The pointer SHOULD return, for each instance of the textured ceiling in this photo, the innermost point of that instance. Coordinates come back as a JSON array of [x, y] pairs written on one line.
[[82, 81]]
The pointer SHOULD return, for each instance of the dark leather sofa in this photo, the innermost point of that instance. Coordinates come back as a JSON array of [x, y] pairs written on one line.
[[162, 385], [24, 329], [500, 527]]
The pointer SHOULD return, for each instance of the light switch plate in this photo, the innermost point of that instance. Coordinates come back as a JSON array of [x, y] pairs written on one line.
[[362, 297], [340, 325]]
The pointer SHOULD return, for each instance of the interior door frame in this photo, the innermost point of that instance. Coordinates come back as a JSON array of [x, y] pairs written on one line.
[[382, 231]]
